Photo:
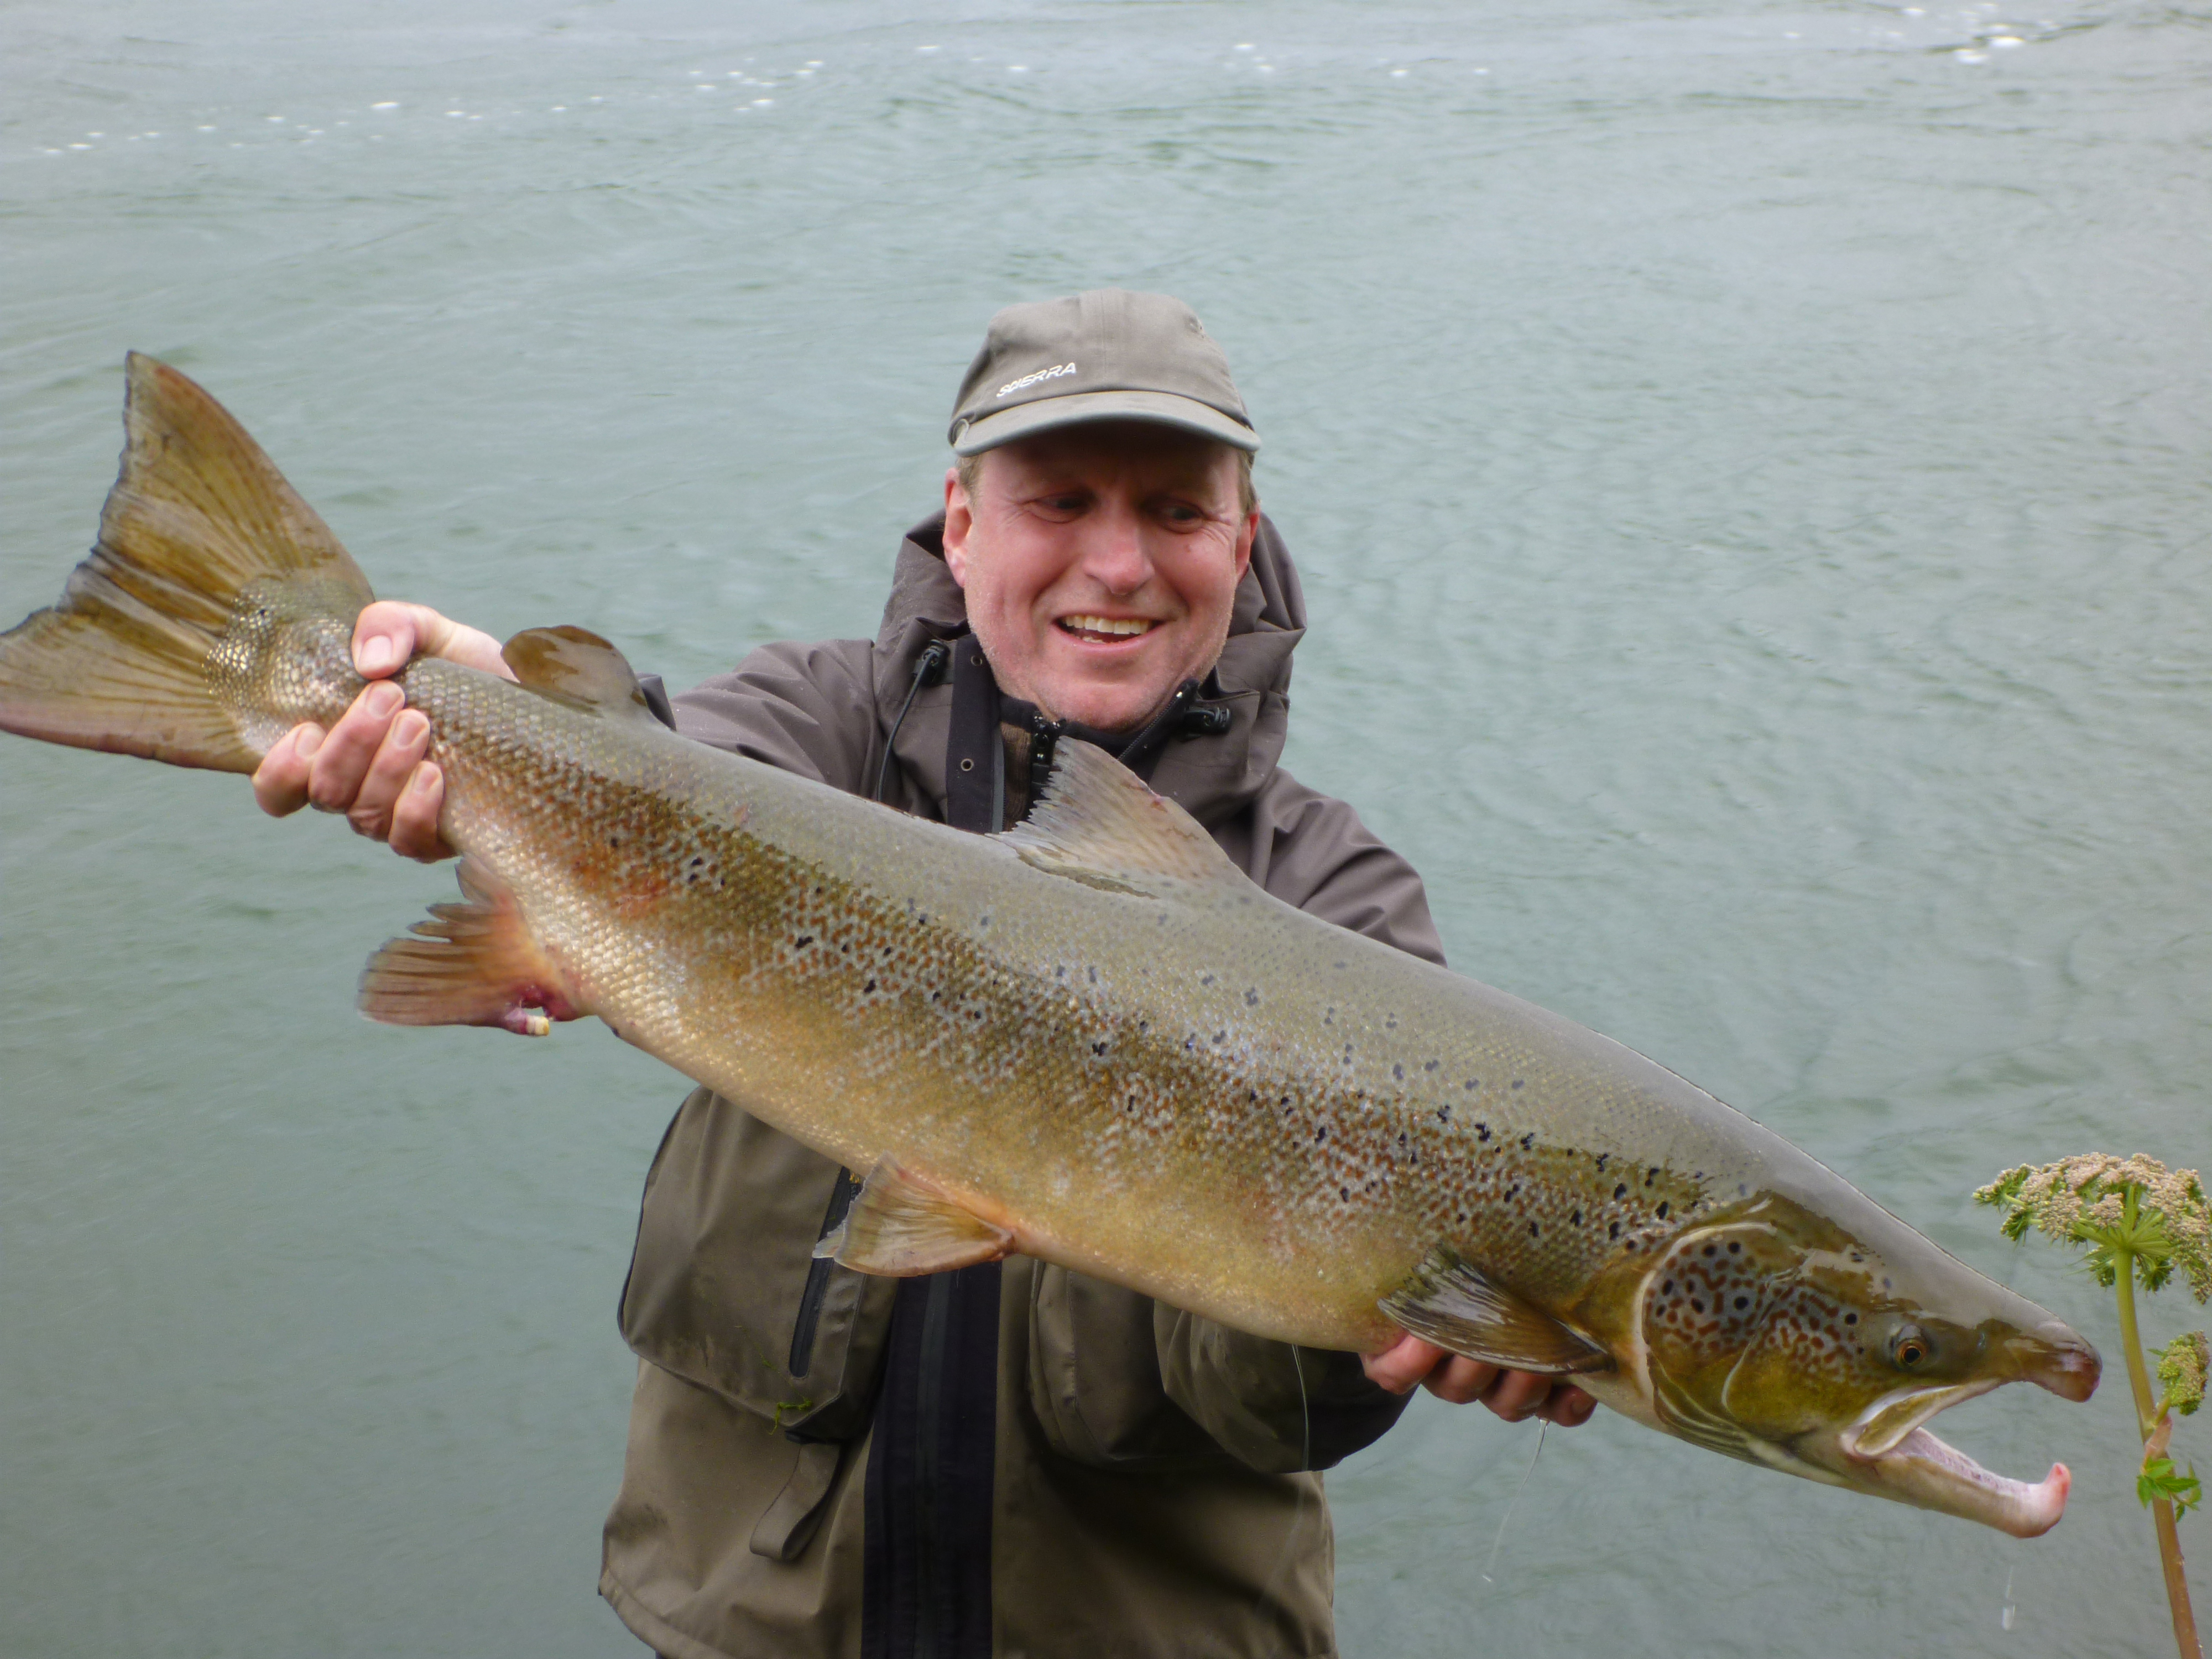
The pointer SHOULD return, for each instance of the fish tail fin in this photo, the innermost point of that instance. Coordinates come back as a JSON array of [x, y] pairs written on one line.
[[145, 653]]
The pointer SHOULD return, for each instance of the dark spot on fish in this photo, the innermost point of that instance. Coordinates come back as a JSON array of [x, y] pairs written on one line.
[[1094, 976], [1527, 1140], [1634, 1245], [1851, 1319], [1100, 1048], [1402, 1137], [613, 841], [1533, 1233], [869, 986], [1697, 1306], [1575, 1218], [1444, 1115], [1735, 1246], [1663, 1209], [1206, 979], [1431, 1067], [1667, 1289], [1614, 1231], [1741, 1190], [1399, 1072], [1251, 999], [802, 941], [1061, 972], [1602, 1158], [1221, 1036], [1473, 1084], [1885, 1284], [1345, 1192], [1391, 1023], [1320, 1132], [1513, 1191], [1620, 1190], [1708, 1250], [1517, 1082], [1742, 1303]]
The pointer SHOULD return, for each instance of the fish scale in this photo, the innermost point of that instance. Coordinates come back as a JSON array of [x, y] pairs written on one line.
[[1091, 1039]]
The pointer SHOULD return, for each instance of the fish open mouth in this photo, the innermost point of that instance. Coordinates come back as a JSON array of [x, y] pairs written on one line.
[[1888, 1451], [1922, 1470]]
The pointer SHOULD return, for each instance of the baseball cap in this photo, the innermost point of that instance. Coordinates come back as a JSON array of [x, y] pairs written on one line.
[[1107, 354]]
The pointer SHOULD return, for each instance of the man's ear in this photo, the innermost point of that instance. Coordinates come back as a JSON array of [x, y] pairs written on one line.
[[959, 519], [1245, 534]]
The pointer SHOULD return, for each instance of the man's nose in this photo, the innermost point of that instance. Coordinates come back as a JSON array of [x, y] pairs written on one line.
[[1113, 554]]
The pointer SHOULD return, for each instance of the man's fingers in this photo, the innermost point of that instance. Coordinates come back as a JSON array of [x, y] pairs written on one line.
[[1569, 1406], [1514, 1395], [1517, 1394], [391, 769], [342, 762], [414, 817], [1461, 1380], [280, 783], [1402, 1365]]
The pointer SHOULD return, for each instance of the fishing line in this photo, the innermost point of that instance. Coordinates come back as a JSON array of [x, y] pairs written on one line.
[[1504, 1520]]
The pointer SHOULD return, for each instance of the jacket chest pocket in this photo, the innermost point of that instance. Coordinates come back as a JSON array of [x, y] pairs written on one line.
[[724, 1290]]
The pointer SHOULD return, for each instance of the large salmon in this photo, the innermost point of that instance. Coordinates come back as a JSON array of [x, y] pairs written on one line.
[[1091, 1039]]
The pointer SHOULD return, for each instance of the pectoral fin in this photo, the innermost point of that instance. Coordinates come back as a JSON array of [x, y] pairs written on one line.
[[899, 1227], [471, 963], [1453, 1303]]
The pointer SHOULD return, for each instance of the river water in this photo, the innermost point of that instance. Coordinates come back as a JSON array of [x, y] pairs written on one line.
[[1748, 463]]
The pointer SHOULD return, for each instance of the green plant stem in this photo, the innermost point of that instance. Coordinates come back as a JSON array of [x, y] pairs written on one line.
[[2147, 1422]]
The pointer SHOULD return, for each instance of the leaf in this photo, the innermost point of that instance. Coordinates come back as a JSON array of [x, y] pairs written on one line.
[[2159, 1478]]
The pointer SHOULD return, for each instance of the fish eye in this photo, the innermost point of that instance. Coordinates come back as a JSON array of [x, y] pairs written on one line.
[[1910, 1347]]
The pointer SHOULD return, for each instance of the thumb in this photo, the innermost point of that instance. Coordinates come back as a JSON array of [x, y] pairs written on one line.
[[384, 638], [392, 631]]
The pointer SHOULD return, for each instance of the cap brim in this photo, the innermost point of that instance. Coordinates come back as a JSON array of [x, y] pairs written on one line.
[[1163, 408]]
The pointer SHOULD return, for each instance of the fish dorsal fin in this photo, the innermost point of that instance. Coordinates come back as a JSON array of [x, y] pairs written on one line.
[[1452, 1302], [579, 668], [902, 1227], [1097, 823]]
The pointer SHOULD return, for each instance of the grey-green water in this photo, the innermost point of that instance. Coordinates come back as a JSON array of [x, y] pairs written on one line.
[[1749, 466]]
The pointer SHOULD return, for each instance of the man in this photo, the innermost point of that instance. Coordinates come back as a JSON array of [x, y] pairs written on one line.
[[1007, 1459]]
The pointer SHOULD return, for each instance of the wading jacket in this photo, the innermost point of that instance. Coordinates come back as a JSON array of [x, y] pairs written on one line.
[[1011, 1460]]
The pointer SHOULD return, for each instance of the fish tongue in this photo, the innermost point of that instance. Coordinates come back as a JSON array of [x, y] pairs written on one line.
[[2023, 1509]]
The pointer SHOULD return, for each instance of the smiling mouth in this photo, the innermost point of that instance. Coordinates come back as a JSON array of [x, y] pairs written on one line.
[[1105, 630]]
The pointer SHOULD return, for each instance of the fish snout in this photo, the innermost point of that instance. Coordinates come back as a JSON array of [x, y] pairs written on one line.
[[2055, 1356]]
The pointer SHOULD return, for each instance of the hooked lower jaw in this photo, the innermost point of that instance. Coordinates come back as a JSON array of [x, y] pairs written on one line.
[[1890, 1453], [1929, 1473]]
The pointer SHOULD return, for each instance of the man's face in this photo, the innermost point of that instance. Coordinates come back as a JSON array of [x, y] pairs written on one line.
[[1100, 563]]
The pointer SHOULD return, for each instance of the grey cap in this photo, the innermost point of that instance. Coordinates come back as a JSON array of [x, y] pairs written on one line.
[[1107, 354]]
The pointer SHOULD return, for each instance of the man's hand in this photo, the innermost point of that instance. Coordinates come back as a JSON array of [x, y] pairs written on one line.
[[1514, 1395], [369, 766]]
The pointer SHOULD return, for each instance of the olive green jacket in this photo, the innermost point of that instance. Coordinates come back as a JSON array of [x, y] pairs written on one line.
[[1154, 1491]]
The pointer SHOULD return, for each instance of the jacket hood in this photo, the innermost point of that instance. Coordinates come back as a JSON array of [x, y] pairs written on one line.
[[1209, 777]]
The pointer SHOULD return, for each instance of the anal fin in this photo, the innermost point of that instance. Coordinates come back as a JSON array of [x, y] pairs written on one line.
[[1452, 1302], [900, 1227], [471, 963]]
